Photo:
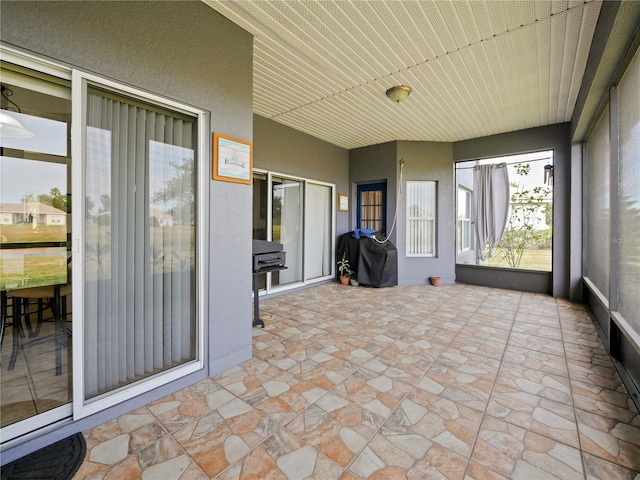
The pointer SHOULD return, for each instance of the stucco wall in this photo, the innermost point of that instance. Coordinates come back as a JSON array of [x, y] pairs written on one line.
[[188, 52], [281, 149], [422, 161], [428, 161], [556, 138], [373, 164]]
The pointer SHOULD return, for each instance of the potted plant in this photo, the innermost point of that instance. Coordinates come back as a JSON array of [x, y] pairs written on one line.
[[344, 267]]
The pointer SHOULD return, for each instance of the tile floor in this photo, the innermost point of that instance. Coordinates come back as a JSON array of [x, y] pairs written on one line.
[[409, 382], [32, 386]]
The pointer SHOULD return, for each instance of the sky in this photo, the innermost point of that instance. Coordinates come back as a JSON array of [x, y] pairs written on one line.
[[19, 177], [535, 178]]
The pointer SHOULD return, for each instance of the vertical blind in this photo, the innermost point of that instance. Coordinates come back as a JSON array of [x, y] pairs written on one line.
[[139, 286], [464, 220], [421, 215], [318, 231]]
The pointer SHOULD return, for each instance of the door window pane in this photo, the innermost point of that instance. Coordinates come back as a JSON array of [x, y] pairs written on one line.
[[139, 285], [372, 206], [35, 168], [287, 227]]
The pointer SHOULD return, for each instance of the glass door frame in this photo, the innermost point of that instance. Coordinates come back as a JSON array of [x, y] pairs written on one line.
[[33, 423], [81, 407], [290, 286]]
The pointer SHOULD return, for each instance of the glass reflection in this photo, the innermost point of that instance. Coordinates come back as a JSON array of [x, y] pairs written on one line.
[[35, 226]]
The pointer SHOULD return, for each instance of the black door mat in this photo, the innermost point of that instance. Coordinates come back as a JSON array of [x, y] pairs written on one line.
[[59, 461]]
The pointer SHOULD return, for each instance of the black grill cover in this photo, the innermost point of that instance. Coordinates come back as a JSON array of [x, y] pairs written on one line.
[[375, 263]]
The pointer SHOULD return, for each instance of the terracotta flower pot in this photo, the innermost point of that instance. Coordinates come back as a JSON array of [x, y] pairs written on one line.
[[435, 281], [344, 280]]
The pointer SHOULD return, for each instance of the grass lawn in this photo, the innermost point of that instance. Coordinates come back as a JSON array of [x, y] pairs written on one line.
[[32, 271], [532, 259], [25, 233]]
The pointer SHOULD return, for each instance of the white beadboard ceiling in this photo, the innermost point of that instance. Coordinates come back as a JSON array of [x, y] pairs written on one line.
[[476, 67]]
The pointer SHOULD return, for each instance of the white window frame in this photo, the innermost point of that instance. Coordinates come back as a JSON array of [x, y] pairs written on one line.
[[79, 82], [467, 220], [429, 218]]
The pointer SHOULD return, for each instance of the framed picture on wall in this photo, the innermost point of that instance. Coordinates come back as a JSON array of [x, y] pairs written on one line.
[[343, 202], [232, 159]]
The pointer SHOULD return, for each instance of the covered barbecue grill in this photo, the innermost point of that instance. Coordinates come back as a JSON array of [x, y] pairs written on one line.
[[267, 257], [374, 261]]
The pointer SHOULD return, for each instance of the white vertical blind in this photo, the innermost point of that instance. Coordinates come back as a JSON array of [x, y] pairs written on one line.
[[318, 231], [464, 220], [421, 216], [139, 316]]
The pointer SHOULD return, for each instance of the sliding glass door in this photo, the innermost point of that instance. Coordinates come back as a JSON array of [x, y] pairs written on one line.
[[300, 215], [35, 179], [123, 220], [138, 243]]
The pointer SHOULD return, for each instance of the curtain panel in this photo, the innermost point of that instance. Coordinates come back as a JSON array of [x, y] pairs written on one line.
[[491, 189]]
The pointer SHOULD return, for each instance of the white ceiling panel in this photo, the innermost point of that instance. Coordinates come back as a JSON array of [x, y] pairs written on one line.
[[476, 68]]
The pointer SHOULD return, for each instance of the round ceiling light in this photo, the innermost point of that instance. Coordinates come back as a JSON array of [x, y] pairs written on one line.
[[399, 93]]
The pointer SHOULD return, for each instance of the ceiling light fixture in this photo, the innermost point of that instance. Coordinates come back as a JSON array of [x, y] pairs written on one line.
[[399, 93], [10, 126]]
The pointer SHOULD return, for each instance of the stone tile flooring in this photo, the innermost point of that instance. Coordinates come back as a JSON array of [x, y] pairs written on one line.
[[409, 382]]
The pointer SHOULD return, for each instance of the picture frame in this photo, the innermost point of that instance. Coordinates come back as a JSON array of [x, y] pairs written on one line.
[[343, 202], [232, 159]]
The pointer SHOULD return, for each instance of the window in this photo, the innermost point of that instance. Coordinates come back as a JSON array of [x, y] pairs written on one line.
[[421, 219], [372, 206], [463, 226], [526, 241]]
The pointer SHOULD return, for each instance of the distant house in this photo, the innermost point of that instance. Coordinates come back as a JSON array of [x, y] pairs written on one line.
[[164, 219], [31, 212]]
